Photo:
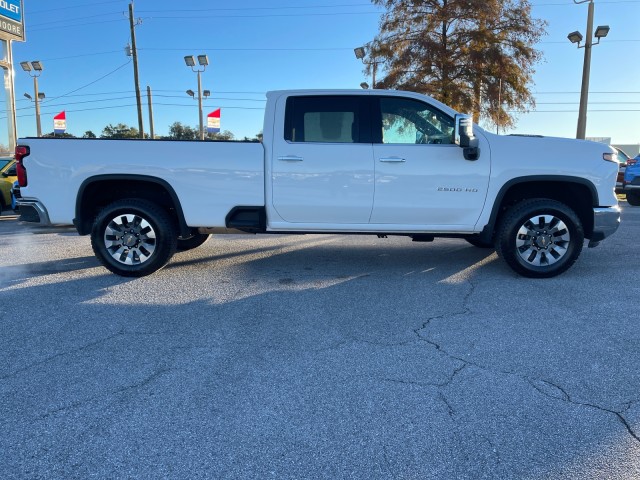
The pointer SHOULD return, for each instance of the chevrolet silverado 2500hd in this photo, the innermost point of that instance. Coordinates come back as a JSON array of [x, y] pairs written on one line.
[[367, 161]]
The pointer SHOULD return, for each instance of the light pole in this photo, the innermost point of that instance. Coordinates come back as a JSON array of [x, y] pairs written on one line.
[[34, 69], [576, 37], [203, 61], [361, 52]]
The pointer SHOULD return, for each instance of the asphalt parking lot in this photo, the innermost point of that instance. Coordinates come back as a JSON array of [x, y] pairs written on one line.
[[318, 357]]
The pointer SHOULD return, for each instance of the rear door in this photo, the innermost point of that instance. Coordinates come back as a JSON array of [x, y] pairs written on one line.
[[322, 164]]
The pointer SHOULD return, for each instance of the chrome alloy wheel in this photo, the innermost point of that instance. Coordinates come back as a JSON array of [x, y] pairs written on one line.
[[543, 240], [130, 239]]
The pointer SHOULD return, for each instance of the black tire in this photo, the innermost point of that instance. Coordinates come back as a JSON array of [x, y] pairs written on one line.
[[477, 242], [192, 242], [146, 247], [633, 199], [540, 238]]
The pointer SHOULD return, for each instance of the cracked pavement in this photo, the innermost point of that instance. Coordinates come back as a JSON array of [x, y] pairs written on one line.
[[318, 357]]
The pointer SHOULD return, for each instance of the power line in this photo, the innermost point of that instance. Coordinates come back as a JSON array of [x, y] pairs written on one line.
[[129, 105], [94, 81], [73, 19], [345, 5], [568, 111], [36, 12], [76, 25], [83, 55], [327, 49]]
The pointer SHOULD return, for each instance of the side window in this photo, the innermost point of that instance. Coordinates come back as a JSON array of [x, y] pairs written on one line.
[[325, 119], [410, 121]]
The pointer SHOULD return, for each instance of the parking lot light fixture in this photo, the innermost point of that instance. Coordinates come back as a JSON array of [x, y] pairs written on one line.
[[34, 69], [361, 53], [602, 31], [203, 61], [576, 38]]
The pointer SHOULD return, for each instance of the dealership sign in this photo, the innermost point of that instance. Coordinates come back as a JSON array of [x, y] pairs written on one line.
[[11, 20], [60, 123], [213, 122]]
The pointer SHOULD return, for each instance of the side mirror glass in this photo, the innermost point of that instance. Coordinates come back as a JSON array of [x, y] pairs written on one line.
[[465, 138]]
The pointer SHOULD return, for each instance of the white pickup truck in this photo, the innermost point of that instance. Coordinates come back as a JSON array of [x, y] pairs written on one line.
[[365, 161]]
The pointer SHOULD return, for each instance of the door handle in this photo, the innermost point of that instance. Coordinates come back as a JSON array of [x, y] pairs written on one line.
[[290, 158], [392, 160]]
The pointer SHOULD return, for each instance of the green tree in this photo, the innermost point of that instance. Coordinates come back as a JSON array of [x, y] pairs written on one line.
[[225, 135], [89, 134], [474, 55], [178, 131], [119, 131], [59, 135]]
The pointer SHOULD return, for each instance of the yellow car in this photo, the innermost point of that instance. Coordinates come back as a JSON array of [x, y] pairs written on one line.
[[7, 177]]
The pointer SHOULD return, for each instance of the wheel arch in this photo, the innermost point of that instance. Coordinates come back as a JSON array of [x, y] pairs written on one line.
[[99, 191], [578, 193]]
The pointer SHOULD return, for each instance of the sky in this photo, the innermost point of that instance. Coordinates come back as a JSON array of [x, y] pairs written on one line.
[[256, 46]]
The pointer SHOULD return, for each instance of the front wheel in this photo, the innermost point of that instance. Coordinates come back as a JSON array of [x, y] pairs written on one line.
[[633, 199], [133, 237], [540, 238]]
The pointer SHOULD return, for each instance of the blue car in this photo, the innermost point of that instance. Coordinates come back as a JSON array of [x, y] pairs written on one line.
[[14, 193], [632, 181]]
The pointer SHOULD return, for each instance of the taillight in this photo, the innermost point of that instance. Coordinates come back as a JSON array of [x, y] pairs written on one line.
[[632, 161], [21, 153]]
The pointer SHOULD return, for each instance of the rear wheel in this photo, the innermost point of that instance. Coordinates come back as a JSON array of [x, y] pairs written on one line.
[[633, 198], [194, 241], [133, 237], [540, 238]]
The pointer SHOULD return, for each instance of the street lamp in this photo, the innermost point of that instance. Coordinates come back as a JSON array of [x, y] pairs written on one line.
[[34, 69], [361, 52], [576, 37], [203, 61]]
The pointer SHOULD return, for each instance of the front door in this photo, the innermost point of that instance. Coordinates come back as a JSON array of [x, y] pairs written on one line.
[[421, 177]]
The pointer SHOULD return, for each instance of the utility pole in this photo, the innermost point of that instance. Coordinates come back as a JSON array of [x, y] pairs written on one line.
[[150, 112], [134, 52]]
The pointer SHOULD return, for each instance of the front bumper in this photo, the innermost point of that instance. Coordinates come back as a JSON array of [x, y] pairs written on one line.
[[33, 211], [606, 221]]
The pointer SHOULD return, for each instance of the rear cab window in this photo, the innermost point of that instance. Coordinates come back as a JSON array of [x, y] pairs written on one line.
[[328, 119]]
